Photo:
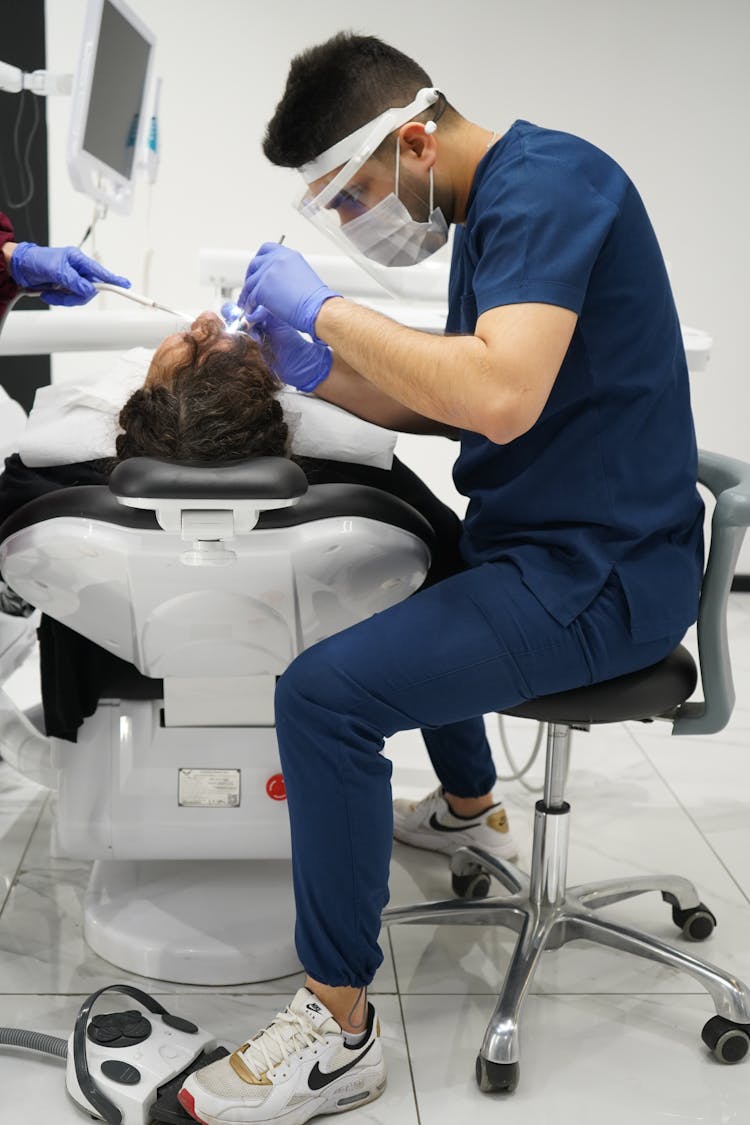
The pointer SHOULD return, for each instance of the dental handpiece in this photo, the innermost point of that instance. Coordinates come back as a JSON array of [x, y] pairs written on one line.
[[233, 316], [139, 299]]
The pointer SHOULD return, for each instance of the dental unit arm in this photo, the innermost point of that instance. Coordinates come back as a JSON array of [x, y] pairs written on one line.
[[40, 82]]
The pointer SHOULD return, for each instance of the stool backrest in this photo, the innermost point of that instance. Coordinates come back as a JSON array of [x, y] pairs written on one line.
[[729, 481]]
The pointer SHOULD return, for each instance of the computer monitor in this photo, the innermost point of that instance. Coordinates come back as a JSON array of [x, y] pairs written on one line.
[[111, 103]]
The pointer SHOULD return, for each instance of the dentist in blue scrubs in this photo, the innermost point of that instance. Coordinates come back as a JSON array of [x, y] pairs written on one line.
[[563, 376]]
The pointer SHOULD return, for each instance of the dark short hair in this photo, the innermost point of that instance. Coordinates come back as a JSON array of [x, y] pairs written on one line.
[[333, 89], [219, 406]]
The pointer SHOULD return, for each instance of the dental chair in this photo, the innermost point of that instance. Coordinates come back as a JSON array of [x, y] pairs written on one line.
[[544, 912], [206, 582]]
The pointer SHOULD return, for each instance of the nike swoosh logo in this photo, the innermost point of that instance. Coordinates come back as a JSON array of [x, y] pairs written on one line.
[[318, 1080], [435, 823]]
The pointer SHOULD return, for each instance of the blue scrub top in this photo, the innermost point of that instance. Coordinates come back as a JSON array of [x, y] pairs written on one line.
[[606, 478]]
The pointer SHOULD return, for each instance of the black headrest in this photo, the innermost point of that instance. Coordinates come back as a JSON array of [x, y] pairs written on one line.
[[262, 478], [321, 501]]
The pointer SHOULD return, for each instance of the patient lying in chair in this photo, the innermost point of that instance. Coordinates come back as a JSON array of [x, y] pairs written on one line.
[[207, 397]]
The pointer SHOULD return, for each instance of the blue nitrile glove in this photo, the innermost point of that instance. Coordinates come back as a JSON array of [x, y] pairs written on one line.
[[298, 362], [282, 281], [63, 274]]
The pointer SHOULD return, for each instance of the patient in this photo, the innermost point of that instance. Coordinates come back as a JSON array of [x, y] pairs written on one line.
[[208, 397]]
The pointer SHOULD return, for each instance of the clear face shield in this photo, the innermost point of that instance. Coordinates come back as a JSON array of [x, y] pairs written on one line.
[[359, 207]]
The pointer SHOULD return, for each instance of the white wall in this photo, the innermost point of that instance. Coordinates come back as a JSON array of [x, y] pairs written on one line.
[[660, 84]]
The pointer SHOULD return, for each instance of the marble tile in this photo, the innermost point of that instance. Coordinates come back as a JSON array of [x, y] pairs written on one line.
[[17, 790], [585, 1060], [17, 822], [33, 1085]]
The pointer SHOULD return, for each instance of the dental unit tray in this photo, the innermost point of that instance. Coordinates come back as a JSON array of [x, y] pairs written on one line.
[[139, 299], [127, 1067]]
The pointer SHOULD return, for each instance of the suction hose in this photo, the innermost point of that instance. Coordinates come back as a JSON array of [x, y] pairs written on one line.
[[33, 1041]]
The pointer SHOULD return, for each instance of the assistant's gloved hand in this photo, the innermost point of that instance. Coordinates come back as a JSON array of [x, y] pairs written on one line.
[[63, 274], [298, 362], [283, 282]]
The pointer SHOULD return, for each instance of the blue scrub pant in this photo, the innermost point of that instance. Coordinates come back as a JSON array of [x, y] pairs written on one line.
[[477, 642]]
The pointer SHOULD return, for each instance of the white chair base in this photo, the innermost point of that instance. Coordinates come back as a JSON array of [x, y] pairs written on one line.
[[206, 923]]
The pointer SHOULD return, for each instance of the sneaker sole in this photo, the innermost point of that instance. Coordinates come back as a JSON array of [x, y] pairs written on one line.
[[338, 1099], [448, 847]]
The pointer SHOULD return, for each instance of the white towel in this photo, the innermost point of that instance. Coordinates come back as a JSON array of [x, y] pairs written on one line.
[[12, 424], [72, 422]]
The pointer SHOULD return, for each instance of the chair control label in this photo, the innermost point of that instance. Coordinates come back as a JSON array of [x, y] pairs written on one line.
[[211, 789]]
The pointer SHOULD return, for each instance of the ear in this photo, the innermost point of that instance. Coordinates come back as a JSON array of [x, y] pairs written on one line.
[[417, 143]]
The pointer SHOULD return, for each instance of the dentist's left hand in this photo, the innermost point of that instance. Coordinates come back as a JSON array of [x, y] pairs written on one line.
[[296, 361], [64, 274], [281, 280]]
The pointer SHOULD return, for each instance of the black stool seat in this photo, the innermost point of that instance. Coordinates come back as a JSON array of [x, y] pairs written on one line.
[[644, 694]]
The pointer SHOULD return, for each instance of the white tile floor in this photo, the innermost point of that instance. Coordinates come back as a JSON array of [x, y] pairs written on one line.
[[606, 1038]]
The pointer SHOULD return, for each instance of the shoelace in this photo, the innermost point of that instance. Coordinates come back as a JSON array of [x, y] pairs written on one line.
[[432, 800], [275, 1043]]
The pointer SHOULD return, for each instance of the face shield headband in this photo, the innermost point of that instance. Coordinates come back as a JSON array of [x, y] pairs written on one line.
[[355, 149]]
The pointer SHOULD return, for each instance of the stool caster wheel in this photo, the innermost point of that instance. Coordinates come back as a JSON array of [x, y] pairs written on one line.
[[474, 884], [467, 877], [729, 1042], [496, 1078], [696, 924]]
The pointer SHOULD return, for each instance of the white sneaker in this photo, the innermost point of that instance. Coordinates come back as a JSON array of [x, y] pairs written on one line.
[[296, 1068], [430, 824]]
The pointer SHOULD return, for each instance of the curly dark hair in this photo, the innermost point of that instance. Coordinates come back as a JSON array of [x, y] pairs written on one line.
[[333, 89], [219, 406]]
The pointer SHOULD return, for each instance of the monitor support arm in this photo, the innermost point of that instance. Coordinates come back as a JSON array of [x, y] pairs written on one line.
[[41, 82]]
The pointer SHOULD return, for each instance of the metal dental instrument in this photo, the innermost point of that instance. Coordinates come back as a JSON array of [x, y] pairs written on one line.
[[235, 317], [139, 299]]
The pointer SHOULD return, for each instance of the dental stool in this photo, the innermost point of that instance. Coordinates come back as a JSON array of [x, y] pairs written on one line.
[[207, 582], [546, 913]]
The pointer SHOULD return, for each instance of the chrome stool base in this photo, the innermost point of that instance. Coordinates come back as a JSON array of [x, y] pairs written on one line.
[[545, 914]]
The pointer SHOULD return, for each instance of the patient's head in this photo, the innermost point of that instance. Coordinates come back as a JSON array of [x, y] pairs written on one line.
[[208, 396]]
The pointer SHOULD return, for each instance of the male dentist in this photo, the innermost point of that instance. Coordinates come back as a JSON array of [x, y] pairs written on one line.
[[562, 373]]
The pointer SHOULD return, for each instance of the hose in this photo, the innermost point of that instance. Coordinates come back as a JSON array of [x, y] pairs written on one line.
[[520, 771], [34, 1041]]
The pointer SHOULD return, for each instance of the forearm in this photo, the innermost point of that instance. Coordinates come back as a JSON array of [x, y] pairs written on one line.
[[494, 382], [346, 388], [445, 378]]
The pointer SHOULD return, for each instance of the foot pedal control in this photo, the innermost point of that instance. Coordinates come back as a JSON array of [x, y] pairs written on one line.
[[166, 1108]]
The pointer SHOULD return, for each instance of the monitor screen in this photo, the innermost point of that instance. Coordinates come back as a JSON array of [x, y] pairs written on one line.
[[117, 86], [111, 103]]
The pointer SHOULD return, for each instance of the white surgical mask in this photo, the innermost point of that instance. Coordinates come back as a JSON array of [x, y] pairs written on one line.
[[387, 233]]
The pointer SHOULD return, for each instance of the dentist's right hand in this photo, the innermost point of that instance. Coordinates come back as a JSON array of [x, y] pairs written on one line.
[[282, 281], [296, 361]]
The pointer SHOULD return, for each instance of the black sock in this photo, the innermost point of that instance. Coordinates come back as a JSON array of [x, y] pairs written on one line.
[[474, 817]]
